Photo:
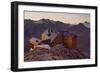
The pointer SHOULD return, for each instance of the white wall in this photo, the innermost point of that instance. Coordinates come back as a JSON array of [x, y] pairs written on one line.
[[5, 35]]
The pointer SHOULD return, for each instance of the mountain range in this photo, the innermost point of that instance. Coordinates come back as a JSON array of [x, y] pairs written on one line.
[[34, 28]]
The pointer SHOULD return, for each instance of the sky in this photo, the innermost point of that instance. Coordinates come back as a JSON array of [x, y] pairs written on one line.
[[72, 18]]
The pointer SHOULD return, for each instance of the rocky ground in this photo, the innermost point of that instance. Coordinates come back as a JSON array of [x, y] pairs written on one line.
[[58, 52]]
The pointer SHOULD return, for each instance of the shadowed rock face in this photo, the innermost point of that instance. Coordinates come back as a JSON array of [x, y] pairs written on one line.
[[58, 52]]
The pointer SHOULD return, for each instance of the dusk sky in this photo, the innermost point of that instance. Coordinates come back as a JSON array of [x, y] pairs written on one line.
[[72, 18]]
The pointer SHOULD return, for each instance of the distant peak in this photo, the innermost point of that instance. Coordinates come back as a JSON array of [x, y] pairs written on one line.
[[80, 24], [85, 24], [29, 20], [43, 19]]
